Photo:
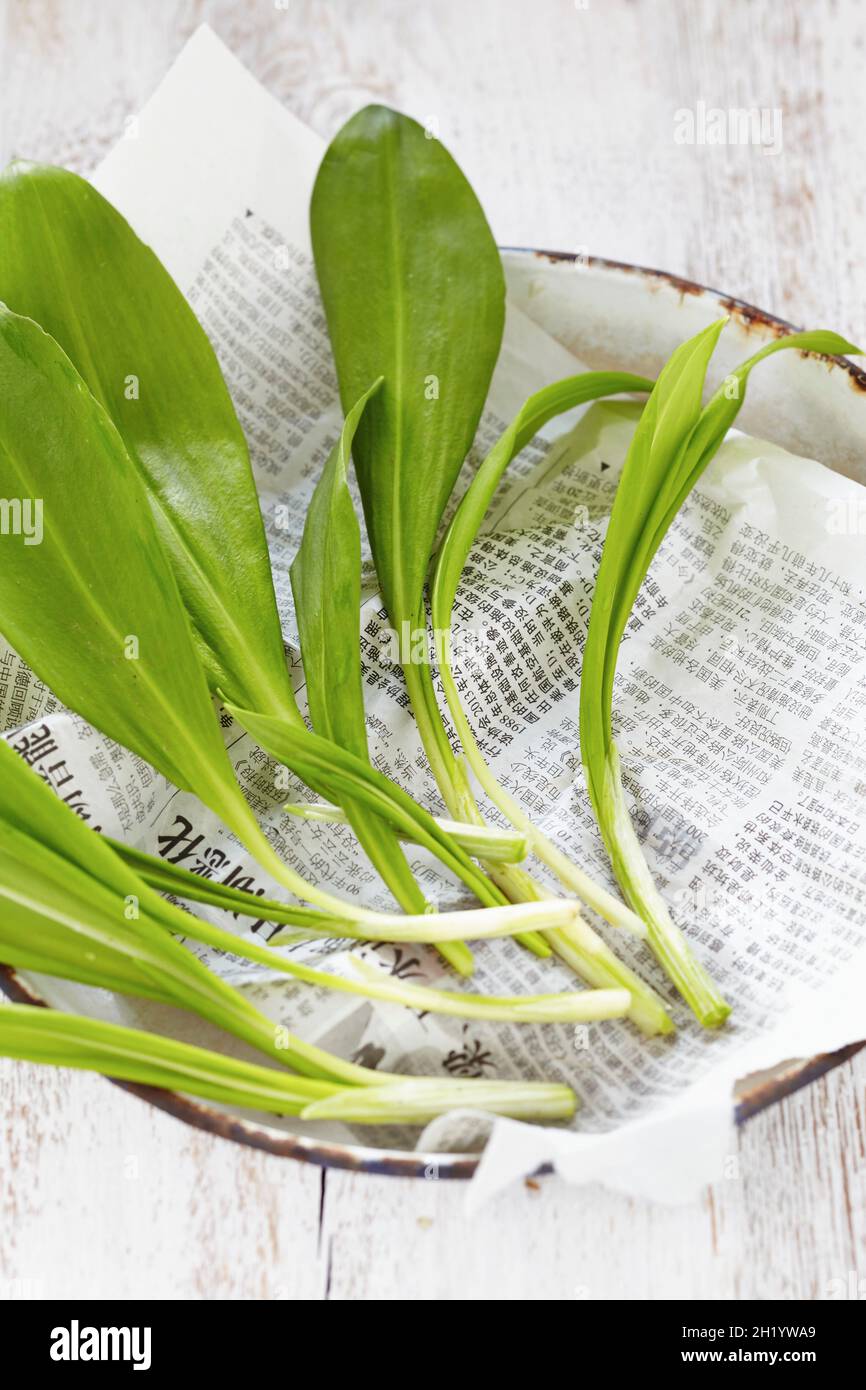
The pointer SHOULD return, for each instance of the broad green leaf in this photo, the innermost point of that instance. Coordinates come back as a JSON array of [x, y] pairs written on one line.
[[413, 292], [72, 263], [81, 925], [94, 607]]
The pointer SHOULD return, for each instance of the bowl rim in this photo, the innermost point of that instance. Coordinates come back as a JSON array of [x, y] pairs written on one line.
[[398, 1163]]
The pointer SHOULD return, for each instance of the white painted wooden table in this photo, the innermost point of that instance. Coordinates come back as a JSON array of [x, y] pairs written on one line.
[[562, 114]]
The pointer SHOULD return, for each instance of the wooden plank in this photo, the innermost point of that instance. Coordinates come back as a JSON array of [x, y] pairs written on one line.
[[101, 1196]]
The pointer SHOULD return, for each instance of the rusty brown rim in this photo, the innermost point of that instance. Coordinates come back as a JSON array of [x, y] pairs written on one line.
[[392, 1163], [741, 309]]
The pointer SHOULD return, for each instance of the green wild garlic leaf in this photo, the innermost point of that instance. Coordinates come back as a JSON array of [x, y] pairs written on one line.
[[94, 608], [414, 292], [71, 262], [326, 583], [674, 441], [536, 412]]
